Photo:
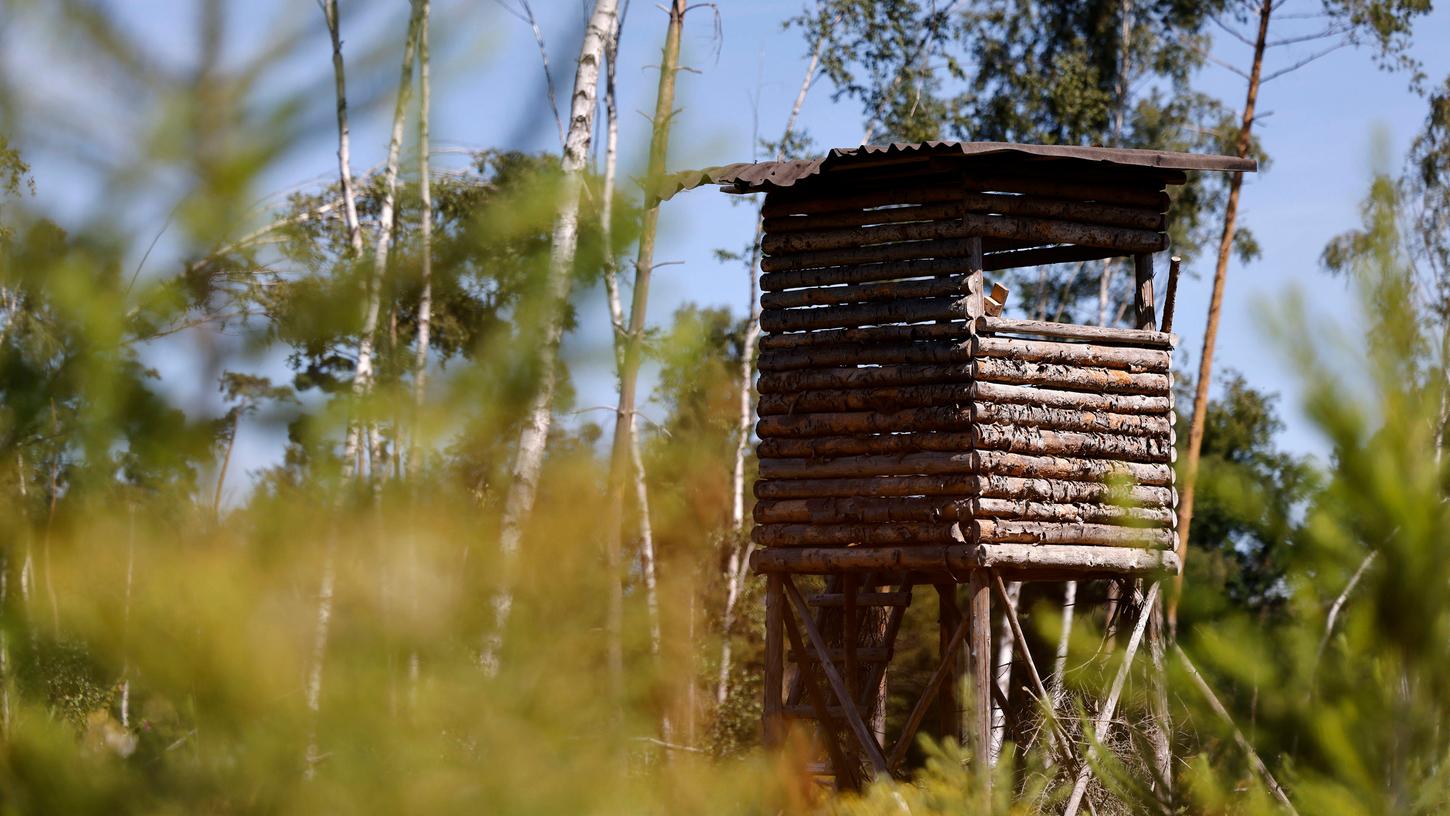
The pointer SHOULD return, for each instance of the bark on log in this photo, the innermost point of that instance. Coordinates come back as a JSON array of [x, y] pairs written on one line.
[[1127, 358], [862, 273], [1046, 441], [827, 447], [907, 464], [1042, 230], [1141, 193], [1111, 215], [871, 335], [1070, 378], [862, 510], [913, 419], [999, 463], [863, 314], [790, 401], [983, 508], [959, 485], [1065, 491], [1012, 227], [943, 286], [953, 248], [1027, 559], [865, 354], [1045, 256], [1071, 400], [818, 535], [1072, 331], [788, 382], [996, 531], [1072, 419]]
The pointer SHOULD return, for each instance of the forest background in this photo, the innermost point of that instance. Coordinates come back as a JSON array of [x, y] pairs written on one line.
[[338, 613]]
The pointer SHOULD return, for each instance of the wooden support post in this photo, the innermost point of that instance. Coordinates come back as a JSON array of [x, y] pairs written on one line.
[[1143, 305], [938, 681], [1162, 725], [976, 297], [1057, 740], [980, 640], [949, 715], [838, 685], [772, 716], [850, 630], [846, 776]]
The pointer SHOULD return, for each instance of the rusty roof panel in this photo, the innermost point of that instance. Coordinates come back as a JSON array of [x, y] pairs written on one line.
[[755, 177]]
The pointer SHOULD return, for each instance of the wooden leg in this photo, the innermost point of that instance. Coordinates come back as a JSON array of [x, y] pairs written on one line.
[[1162, 726], [949, 715], [772, 711], [980, 641]]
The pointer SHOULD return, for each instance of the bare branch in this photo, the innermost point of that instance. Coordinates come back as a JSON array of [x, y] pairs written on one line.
[[1233, 32], [527, 16], [1339, 604], [1303, 62]]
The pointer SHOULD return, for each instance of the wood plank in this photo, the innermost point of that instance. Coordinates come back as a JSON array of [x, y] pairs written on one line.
[[1072, 331]]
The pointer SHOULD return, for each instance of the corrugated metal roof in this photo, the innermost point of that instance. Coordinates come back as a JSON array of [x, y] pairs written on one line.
[[756, 177]]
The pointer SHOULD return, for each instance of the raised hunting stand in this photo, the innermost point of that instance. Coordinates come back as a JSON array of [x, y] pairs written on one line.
[[910, 436]]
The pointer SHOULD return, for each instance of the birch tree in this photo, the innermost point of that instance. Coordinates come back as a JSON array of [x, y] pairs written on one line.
[[529, 459], [425, 240]]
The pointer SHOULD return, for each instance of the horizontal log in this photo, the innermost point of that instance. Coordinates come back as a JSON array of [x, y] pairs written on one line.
[[783, 382], [944, 286], [864, 354], [792, 401], [906, 464], [830, 447], [1045, 256], [1012, 227], [952, 485], [871, 335], [1106, 335], [862, 273], [862, 510], [1072, 419], [949, 207], [1063, 491], [1042, 230], [997, 531], [1091, 559], [952, 248], [1126, 358], [928, 191], [796, 426], [928, 188], [1080, 513], [870, 535], [864, 314], [1069, 378], [1049, 442], [1071, 400], [1001, 463], [1022, 560], [1112, 215]]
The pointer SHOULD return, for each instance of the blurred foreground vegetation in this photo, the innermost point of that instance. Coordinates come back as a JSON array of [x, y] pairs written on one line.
[[312, 638]]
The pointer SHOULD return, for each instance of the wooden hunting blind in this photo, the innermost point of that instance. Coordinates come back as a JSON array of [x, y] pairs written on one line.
[[911, 435]]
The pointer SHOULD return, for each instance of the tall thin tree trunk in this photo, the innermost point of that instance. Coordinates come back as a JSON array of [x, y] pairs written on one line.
[[362, 382], [529, 460], [739, 543], [319, 656], [1064, 638], [1003, 668], [425, 237], [221, 479], [1215, 306], [634, 338], [349, 194]]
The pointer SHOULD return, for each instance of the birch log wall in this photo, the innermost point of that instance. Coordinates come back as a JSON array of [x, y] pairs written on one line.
[[909, 434]]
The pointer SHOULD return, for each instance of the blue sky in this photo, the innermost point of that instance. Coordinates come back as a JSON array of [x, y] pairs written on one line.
[[489, 91]]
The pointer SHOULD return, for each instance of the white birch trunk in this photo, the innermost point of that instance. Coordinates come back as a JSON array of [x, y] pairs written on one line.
[[319, 656], [528, 463], [739, 543], [362, 382], [1064, 638], [425, 237]]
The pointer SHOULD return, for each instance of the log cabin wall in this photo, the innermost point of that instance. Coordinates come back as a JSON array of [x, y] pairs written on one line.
[[895, 409]]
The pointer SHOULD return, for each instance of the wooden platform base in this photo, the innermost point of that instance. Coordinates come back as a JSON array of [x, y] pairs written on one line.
[[1036, 562]]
